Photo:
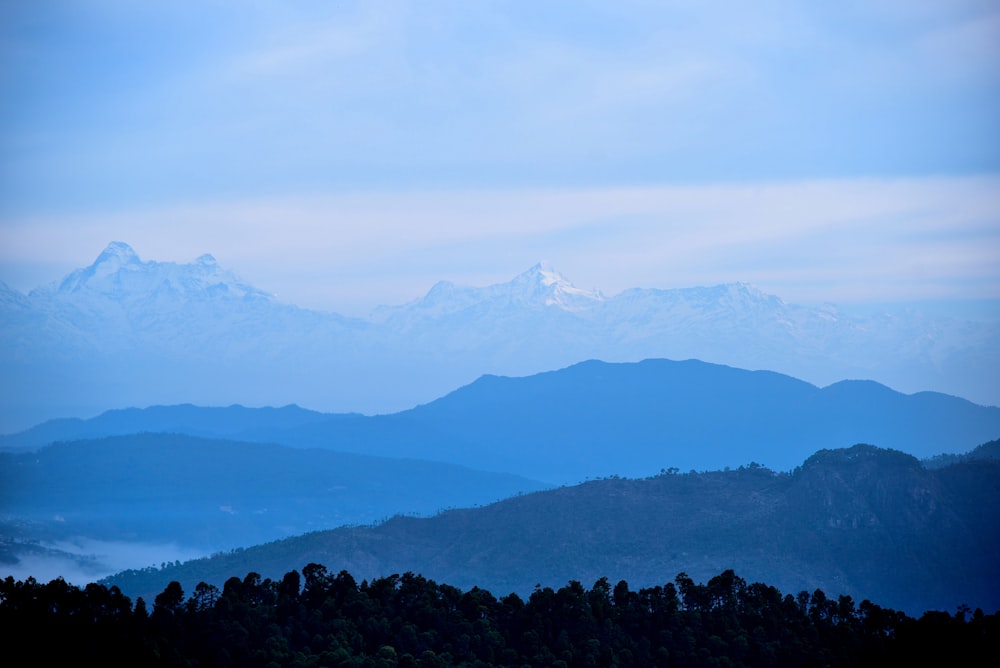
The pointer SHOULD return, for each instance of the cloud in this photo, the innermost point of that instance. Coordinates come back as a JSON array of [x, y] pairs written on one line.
[[113, 105], [867, 239], [83, 560]]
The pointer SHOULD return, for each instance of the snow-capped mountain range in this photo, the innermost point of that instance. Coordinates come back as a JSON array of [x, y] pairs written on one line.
[[128, 332], [119, 272]]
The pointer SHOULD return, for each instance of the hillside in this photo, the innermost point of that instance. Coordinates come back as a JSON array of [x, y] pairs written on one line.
[[866, 522]]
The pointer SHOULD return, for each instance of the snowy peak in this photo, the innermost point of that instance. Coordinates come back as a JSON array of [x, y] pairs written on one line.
[[539, 287], [542, 274], [543, 289], [443, 299], [120, 274], [117, 254], [542, 285]]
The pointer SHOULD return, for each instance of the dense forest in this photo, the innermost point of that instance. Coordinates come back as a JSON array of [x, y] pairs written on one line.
[[317, 618]]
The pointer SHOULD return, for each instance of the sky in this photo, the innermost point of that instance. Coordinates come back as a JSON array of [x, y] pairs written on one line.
[[347, 154]]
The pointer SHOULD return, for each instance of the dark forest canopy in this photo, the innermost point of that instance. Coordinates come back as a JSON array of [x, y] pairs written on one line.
[[315, 618]]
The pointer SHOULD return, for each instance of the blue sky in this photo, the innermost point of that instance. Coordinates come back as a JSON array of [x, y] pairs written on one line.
[[345, 154]]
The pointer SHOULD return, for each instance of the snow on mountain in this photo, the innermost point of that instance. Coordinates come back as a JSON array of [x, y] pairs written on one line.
[[119, 274], [544, 286], [539, 288], [122, 306], [540, 316], [125, 331], [11, 299]]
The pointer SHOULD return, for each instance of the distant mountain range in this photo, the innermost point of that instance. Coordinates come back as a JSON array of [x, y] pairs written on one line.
[[128, 332], [591, 420], [205, 479], [865, 521], [862, 521]]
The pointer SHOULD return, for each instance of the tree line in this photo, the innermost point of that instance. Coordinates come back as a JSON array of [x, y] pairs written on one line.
[[317, 618]]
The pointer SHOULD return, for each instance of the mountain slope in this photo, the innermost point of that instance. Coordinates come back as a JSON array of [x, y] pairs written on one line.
[[125, 331], [865, 522], [593, 419], [596, 418]]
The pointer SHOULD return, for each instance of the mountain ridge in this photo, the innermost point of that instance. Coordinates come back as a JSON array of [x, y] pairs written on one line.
[[862, 521], [595, 418], [209, 337]]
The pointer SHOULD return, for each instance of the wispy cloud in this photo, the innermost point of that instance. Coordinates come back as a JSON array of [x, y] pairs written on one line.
[[114, 104], [868, 239]]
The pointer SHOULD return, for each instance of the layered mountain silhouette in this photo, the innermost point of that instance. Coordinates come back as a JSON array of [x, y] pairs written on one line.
[[187, 338], [862, 521], [126, 331], [590, 420], [231, 423]]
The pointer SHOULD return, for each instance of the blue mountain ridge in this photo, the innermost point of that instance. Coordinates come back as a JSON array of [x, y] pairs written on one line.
[[210, 494], [595, 419]]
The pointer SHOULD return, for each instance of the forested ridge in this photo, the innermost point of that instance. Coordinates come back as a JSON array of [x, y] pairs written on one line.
[[317, 618], [863, 521]]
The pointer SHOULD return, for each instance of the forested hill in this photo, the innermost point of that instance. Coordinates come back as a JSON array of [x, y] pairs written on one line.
[[865, 522]]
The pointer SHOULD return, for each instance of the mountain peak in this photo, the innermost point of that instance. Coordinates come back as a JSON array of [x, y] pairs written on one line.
[[115, 257], [118, 253], [545, 272], [543, 283], [119, 274], [750, 289], [549, 275]]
